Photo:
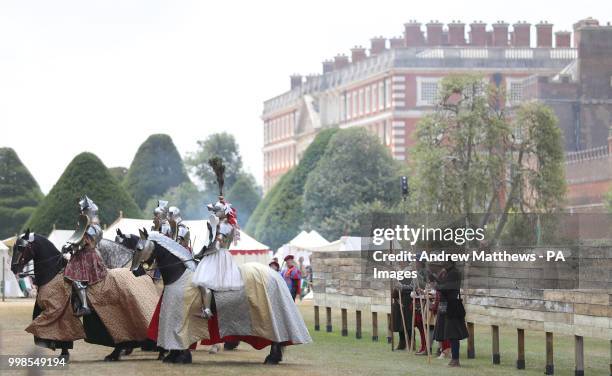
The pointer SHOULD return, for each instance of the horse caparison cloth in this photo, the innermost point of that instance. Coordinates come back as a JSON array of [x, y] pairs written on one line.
[[125, 304], [56, 321]]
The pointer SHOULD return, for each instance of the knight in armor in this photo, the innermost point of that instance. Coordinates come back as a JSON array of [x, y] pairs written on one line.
[[85, 267], [180, 231], [160, 219], [217, 270]]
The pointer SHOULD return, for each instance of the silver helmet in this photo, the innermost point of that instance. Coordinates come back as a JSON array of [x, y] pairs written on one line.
[[88, 206], [161, 211], [174, 214]]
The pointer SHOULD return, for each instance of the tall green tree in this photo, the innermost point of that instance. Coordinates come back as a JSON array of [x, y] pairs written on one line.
[[608, 200], [476, 155], [85, 175], [186, 197], [283, 216], [355, 169], [19, 193], [222, 145], [119, 173], [157, 167], [244, 196], [257, 217]]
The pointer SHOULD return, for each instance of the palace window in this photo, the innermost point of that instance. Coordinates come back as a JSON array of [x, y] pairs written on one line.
[[514, 90], [427, 91]]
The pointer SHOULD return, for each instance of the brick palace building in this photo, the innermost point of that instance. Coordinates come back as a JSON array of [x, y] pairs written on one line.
[[390, 87]]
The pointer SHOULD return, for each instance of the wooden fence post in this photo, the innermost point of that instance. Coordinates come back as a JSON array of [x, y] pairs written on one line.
[[471, 351], [550, 365], [374, 326], [520, 359], [389, 329], [358, 324], [579, 355], [328, 319], [610, 357], [316, 319], [495, 344], [344, 323]]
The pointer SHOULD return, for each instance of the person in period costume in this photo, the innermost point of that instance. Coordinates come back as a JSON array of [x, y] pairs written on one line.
[[85, 266], [419, 287], [450, 323], [217, 270], [180, 231], [160, 219], [292, 276], [402, 309]]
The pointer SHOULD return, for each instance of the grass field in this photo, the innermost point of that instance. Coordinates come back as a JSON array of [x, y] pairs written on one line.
[[330, 354]]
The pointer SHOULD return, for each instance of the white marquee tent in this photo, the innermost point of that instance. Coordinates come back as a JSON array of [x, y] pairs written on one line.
[[10, 286], [302, 246]]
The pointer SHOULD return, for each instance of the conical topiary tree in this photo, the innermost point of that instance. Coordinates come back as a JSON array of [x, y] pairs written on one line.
[[19, 193], [85, 175], [283, 216], [156, 168]]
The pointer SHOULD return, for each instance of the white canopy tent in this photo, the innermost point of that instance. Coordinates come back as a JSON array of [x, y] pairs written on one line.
[[246, 250], [10, 286], [59, 237], [301, 246]]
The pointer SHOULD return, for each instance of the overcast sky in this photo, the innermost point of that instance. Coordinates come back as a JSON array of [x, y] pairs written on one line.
[[101, 76]]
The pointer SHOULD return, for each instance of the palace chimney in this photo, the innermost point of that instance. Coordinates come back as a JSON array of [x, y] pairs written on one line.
[[478, 33], [521, 34], [544, 34]]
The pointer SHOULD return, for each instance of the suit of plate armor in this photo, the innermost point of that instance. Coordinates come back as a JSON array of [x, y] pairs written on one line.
[[180, 231], [160, 219], [85, 267]]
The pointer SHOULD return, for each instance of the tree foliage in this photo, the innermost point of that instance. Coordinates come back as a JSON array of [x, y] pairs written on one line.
[[19, 193], [355, 169], [222, 145], [244, 195], [119, 173], [157, 167], [476, 155], [85, 175], [283, 216], [186, 197]]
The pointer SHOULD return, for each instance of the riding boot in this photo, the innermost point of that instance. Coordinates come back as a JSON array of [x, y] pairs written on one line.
[[81, 292], [206, 303]]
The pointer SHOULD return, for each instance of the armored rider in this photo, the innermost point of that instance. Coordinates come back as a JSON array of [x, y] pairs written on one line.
[[160, 219], [85, 267], [180, 231]]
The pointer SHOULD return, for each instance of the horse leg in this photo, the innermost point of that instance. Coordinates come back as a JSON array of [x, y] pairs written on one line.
[[65, 354], [276, 354], [161, 355], [183, 357], [115, 355]]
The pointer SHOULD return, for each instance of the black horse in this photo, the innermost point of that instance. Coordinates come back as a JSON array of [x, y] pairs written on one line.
[[171, 269], [48, 263]]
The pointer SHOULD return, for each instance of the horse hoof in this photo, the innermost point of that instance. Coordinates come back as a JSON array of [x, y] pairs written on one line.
[[213, 349], [112, 358], [227, 346], [65, 357], [170, 357], [183, 358], [160, 356], [127, 351], [271, 360]]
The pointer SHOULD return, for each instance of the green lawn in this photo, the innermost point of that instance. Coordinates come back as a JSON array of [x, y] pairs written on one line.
[[330, 354], [348, 355]]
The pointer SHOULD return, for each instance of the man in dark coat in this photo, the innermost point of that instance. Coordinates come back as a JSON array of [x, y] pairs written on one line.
[[450, 323]]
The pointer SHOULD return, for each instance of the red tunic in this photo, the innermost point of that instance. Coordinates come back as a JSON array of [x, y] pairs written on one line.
[[85, 266]]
